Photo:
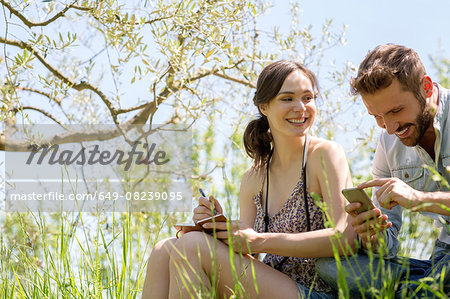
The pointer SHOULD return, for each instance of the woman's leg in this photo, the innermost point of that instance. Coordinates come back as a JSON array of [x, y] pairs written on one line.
[[192, 266], [157, 276]]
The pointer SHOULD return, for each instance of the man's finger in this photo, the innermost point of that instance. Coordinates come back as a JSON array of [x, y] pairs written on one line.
[[352, 208], [366, 216], [373, 183], [366, 226]]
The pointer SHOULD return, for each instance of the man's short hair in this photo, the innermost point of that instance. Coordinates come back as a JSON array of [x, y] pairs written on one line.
[[388, 62]]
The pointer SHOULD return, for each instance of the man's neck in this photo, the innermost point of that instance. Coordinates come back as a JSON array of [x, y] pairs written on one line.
[[428, 140]]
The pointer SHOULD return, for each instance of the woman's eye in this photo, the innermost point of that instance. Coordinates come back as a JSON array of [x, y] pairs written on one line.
[[286, 99], [307, 98]]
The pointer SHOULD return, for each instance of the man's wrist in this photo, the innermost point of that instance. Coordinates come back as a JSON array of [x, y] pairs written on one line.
[[423, 202]]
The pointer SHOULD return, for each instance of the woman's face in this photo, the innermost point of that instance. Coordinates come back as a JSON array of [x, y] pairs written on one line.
[[292, 111]]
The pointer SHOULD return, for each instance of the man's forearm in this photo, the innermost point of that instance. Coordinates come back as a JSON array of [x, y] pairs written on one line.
[[435, 202]]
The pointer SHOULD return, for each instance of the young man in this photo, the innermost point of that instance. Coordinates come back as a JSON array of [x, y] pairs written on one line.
[[415, 115]]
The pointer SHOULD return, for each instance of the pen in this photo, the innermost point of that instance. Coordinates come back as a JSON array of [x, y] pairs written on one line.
[[204, 195]]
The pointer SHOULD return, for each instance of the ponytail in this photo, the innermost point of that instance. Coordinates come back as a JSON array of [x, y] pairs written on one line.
[[257, 140]]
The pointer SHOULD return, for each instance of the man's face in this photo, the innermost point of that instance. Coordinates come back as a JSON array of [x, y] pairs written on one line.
[[399, 112]]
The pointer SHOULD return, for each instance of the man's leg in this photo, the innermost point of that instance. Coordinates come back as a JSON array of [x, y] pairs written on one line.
[[360, 273], [434, 279]]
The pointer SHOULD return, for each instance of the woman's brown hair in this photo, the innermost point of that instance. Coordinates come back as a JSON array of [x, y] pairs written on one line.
[[257, 139]]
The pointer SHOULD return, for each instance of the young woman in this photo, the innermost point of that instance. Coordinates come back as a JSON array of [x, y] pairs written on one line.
[[278, 216]]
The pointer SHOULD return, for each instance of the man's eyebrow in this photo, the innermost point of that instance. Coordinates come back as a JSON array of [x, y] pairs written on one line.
[[395, 108], [390, 111]]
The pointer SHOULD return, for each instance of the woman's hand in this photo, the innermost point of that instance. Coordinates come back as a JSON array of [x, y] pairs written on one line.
[[241, 235], [205, 208]]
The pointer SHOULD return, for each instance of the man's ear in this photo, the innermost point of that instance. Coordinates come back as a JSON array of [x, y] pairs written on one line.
[[427, 86]]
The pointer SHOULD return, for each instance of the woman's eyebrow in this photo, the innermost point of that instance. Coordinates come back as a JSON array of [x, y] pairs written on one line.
[[291, 92], [285, 92]]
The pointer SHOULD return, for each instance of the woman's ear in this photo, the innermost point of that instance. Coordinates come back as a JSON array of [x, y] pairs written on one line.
[[263, 109]]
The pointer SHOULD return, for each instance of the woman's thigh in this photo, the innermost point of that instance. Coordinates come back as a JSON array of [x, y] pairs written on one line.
[[231, 269]]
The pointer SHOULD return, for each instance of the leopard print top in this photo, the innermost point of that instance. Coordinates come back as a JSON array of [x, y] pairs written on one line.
[[291, 218]]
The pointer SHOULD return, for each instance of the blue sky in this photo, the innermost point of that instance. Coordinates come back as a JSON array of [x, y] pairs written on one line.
[[418, 24]]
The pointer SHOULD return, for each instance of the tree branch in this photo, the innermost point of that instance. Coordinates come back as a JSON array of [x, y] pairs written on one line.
[[57, 73], [237, 80], [32, 24], [57, 101], [15, 110], [126, 110], [203, 73], [78, 136]]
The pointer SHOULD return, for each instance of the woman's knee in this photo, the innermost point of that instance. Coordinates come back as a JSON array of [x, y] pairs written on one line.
[[163, 249], [190, 244]]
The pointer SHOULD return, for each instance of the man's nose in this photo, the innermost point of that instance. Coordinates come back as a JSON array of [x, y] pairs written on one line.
[[390, 125]]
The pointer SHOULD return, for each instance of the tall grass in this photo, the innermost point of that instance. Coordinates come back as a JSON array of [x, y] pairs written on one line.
[[101, 256], [104, 255]]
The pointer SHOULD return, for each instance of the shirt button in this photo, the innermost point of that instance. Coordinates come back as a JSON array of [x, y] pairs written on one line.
[[406, 175]]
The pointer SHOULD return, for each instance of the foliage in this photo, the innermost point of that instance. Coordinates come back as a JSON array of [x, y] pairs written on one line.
[[150, 62]]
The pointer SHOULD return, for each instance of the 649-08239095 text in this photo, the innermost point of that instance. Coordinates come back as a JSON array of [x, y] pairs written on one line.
[[101, 196]]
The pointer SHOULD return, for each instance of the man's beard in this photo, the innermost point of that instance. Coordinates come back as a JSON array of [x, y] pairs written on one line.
[[423, 121]]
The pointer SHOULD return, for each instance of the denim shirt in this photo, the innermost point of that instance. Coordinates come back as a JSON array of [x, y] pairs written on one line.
[[393, 159]]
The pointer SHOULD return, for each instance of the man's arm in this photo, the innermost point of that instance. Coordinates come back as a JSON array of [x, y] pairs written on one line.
[[380, 222], [393, 192]]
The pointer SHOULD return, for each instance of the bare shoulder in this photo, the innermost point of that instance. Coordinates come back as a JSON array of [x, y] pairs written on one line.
[[251, 182], [326, 149], [329, 166]]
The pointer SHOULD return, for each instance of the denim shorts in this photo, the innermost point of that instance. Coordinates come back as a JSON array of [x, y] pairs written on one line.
[[307, 293]]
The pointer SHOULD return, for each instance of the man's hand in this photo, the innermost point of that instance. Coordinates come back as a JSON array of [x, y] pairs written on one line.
[[368, 225], [393, 192]]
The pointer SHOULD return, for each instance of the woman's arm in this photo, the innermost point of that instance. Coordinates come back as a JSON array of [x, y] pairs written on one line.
[[250, 184], [329, 168]]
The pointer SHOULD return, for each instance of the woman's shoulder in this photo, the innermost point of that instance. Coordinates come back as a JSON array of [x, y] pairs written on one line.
[[252, 180], [254, 176], [320, 147]]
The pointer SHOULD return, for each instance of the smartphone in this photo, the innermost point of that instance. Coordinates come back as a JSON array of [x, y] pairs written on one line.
[[358, 195]]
